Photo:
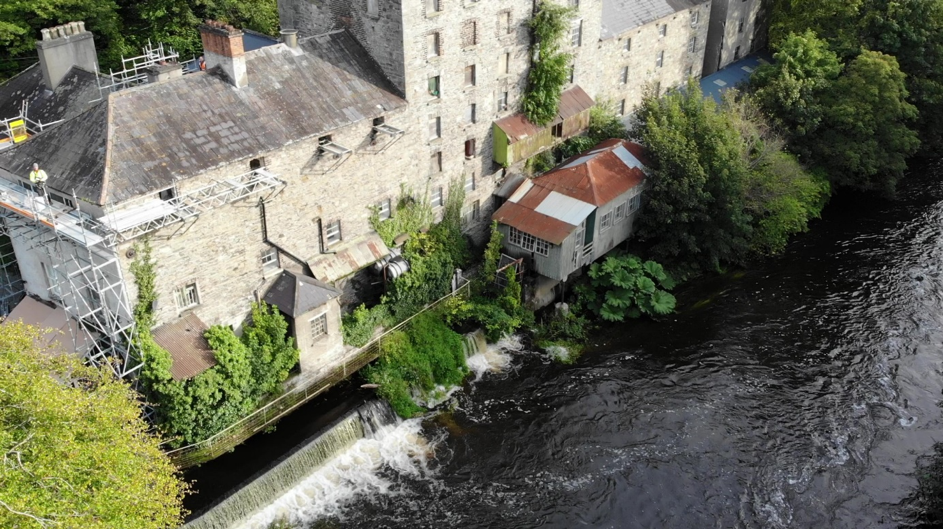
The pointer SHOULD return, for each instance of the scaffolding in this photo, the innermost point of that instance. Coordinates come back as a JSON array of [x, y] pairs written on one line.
[[18, 128], [134, 70], [133, 219], [84, 275]]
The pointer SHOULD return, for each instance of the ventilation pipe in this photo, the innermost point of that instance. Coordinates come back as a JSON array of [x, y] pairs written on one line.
[[290, 38]]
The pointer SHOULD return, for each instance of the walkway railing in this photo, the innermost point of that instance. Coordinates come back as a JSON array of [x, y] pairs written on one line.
[[304, 390]]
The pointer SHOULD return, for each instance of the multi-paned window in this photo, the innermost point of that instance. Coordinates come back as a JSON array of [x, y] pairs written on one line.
[[270, 259], [470, 75], [470, 148], [437, 197], [435, 127], [605, 222], [318, 326], [576, 33], [622, 107], [695, 17], [502, 101], [187, 296], [332, 232], [692, 45], [620, 212], [635, 202], [528, 241]]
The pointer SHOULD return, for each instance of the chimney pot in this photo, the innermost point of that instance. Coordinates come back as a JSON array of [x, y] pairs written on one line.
[[290, 37], [81, 24], [46, 35]]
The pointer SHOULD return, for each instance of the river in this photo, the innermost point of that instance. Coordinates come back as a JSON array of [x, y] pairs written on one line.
[[798, 393]]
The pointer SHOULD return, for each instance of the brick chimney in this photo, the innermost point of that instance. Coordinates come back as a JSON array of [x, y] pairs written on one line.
[[222, 46], [62, 48]]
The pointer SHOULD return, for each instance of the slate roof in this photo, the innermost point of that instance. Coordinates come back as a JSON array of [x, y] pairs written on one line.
[[553, 204], [153, 135], [74, 95], [189, 351], [619, 16], [295, 295], [572, 102]]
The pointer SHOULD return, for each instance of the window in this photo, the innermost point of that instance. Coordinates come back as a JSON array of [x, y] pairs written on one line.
[[384, 210], [432, 44], [576, 33], [620, 212], [657, 88], [662, 30], [628, 45], [471, 213], [373, 9], [62, 200], [470, 183], [437, 197], [660, 59], [689, 72], [528, 241], [740, 26], [736, 53], [434, 86], [504, 23], [470, 148], [187, 296], [433, 6], [572, 73], [605, 222], [435, 127], [624, 75], [469, 33], [692, 45], [332, 232], [470, 75], [503, 62], [695, 17], [557, 130], [435, 162], [622, 107], [502, 101], [324, 140], [256, 163], [318, 327], [270, 259], [471, 113], [635, 202], [574, 3], [167, 194]]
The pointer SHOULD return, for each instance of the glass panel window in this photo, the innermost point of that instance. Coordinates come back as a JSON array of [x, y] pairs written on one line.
[[470, 148], [502, 101], [576, 33], [628, 45], [660, 59], [528, 241], [692, 45], [662, 30], [503, 61], [605, 222], [187, 296], [695, 17], [435, 127], [433, 6], [318, 327], [373, 9], [470, 183], [620, 212], [332, 232], [624, 75], [384, 209], [470, 113], [437, 197], [434, 86], [504, 23], [435, 162], [635, 202], [270, 259]]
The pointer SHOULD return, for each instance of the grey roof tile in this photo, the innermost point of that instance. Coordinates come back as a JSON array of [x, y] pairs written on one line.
[[619, 16]]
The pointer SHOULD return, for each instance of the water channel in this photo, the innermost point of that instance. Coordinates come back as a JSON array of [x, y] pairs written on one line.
[[798, 393]]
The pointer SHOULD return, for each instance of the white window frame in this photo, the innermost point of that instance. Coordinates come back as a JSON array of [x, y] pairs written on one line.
[[470, 183], [269, 259], [435, 127], [692, 46], [528, 242], [438, 197], [385, 209], [620, 211], [635, 202], [332, 233], [624, 75], [433, 6], [373, 8], [605, 222], [576, 33], [318, 323], [695, 17], [187, 296]]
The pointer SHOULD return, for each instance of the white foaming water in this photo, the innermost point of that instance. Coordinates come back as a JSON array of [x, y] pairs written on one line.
[[558, 353], [331, 487], [492, 358]]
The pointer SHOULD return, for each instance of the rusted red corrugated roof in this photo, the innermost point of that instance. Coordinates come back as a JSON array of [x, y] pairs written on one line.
[[597, 177], [189, 350], [529, 221], [572, 102]]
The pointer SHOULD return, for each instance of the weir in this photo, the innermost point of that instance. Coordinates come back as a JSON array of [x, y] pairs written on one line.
[[268, 485]]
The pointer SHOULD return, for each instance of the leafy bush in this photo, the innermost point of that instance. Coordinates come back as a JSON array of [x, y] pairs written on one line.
[[625, 287], [550, 67], [272, 351], [410, 215], [358, 326]]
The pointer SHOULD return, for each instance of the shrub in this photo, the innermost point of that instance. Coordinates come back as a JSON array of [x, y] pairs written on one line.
[[625, 287]]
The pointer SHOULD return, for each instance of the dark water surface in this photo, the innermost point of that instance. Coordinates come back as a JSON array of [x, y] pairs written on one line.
[[797, 394]]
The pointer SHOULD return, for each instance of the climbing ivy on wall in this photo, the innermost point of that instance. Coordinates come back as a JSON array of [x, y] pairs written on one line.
[[409, 214], [549, 67]]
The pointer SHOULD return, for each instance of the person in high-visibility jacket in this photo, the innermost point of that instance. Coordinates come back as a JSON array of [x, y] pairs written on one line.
[[38, 176]]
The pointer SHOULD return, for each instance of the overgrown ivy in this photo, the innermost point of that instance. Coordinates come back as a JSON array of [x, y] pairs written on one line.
[[549, 66], [247, 370], [411, 213]]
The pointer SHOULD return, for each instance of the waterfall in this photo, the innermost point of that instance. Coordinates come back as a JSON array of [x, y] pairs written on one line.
[[371, 420], [483, 357]]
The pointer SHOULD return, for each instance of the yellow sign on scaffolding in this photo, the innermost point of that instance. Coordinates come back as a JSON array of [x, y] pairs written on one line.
[[18, 130]]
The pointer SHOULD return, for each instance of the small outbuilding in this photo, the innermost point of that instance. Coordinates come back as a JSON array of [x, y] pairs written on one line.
[[313, 311], [572, 215]]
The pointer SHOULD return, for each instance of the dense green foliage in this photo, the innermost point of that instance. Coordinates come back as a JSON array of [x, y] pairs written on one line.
[[604, 124], [623, 286], [550, 66], [721, 187], [415, 361], [410, 215], [77, 452], [360, 325], [122, 27], [247, 371]]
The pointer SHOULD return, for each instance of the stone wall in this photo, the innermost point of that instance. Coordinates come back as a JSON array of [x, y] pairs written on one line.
[[737, 29], [641, 58]]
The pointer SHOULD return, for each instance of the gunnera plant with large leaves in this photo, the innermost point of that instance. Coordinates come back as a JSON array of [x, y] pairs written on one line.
[[623, 287]]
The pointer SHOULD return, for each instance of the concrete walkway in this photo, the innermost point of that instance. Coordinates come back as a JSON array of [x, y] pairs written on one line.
[[715, 84]]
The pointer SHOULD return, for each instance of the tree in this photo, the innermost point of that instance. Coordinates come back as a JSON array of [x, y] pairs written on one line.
[[835, 21], [77, 452], [694, 212], [549, 68], [790, 89], [865, 139], [272, 351]]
